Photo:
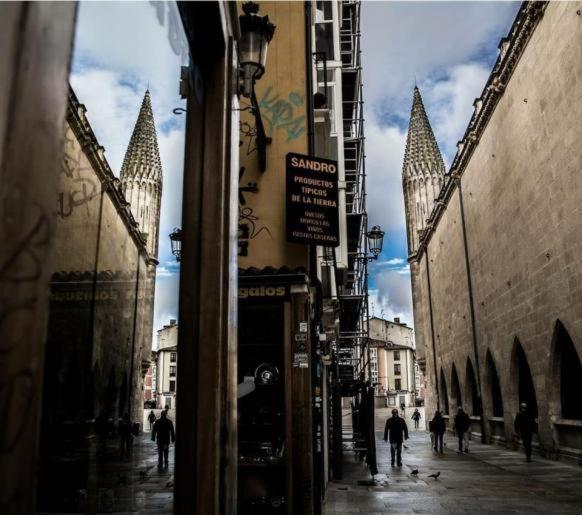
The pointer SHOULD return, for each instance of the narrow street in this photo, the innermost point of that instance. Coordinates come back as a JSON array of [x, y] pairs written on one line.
[[489, 479]]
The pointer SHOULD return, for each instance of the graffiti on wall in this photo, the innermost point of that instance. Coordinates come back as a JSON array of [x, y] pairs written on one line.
[[285, 114], [249, 225]]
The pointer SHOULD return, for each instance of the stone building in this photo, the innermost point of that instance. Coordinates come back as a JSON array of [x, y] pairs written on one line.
[[393, 360], [101, 306], [497, 273], [141, 176]]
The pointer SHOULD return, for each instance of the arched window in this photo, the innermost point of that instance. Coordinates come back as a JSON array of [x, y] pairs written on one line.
[[472, 390], [456, 388], [525, 387], [494, 386], [444, 394], [570, 370]]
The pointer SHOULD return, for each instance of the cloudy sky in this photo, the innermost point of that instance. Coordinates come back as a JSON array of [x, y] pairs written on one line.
[[450, 48]]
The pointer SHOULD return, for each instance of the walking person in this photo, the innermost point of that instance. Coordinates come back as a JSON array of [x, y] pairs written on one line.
[[398, 430], [163, 433], [437, 426], [151, 419], [125, 437], [525, 426], [461, 428], [416, 416]]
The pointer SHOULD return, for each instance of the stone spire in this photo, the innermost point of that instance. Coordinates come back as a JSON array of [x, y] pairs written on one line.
[[141, 176], [423, 172]]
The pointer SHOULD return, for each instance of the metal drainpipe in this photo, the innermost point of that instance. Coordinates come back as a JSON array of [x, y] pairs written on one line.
[[471, 306], [434, 356]]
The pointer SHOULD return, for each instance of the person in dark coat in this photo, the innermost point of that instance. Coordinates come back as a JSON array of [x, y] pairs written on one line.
[[416, 417], [438, 426], [152, 419], [525, 426], [461, 428], [398, 430], [163, 433]]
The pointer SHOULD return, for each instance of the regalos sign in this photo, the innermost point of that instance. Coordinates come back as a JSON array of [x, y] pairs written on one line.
[[312, 200]]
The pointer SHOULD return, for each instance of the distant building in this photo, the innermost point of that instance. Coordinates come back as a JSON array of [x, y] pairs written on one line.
[[150, 380], [393, 362], [167, 365]]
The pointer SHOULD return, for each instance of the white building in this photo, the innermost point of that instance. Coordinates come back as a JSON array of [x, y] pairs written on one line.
[[393, 362], [167, 365]]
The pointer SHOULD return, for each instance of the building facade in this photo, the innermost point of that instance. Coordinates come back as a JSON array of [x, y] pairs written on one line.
[[167, 366], [393, 358], [496, 275]]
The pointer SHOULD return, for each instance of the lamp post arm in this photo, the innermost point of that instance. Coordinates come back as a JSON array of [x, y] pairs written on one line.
[[262, 139]]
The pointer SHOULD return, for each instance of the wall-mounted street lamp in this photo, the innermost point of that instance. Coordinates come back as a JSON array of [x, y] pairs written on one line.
[[375, 241], [256, 34], [176, 241]]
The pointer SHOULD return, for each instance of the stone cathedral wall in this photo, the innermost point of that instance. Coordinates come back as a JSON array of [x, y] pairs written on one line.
[[522, 192]]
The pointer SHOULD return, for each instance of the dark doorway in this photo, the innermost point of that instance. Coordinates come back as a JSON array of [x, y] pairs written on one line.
[[570, 374], [456, 388], [476, 407], [526, 390], [444, 394], [495, 387]]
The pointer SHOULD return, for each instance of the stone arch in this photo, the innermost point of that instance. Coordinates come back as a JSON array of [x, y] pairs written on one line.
[[493, 386], [456, 396], [444, 394], [523, 385], [565, 379], [472, 399]]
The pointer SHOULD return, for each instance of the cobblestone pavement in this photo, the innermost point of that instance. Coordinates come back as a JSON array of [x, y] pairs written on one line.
[[489, 479]]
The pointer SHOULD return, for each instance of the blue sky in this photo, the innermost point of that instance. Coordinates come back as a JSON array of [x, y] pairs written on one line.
[[449, 48]]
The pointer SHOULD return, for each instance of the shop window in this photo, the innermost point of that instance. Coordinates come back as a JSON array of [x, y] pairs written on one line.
[[105, 287]]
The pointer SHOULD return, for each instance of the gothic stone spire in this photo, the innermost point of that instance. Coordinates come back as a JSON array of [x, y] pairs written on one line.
[[423, 171], [141, 175]]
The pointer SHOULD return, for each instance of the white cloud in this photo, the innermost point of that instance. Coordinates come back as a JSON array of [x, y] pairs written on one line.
[[391, 262], [122, 48]]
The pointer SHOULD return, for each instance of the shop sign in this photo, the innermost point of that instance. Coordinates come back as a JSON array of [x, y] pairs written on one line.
[[301, 360], [312, 200], [270, 292]]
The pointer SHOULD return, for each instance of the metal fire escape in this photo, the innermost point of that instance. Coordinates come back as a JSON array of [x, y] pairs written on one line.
[[353, 294]]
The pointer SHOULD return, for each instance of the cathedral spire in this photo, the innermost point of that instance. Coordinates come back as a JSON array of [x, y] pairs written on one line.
[[423, 171], [141, 175], [421, 147]]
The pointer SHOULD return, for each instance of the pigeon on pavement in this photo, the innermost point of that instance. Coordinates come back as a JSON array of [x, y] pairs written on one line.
[[435, 475]]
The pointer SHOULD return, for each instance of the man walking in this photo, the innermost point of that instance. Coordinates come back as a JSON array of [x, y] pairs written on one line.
[[416, 417], [438, 426], [525, 426], [461, 428], [163, 432], [152, 419], [398, 430]]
